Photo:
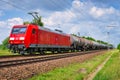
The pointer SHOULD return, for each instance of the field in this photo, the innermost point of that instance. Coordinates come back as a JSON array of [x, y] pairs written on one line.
[[5, 52], [111, 70], [77, 71]]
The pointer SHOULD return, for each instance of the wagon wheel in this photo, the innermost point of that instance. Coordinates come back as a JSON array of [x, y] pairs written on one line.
[[22, 52], [30, 51], [42, 52], [53, 51]]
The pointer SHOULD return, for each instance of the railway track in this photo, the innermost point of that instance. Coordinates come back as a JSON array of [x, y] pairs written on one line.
[[40, 59], [32, 55], [14, 56]]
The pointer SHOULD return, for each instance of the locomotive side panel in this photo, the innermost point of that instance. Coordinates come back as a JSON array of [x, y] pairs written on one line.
[[32, 36], [49, 38]]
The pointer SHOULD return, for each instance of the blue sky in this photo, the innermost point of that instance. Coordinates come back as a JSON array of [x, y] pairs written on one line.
[[89, 17]]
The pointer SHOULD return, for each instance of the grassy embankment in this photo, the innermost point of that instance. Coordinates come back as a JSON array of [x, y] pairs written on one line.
[[76, 71], [111, 70], [5, 52]]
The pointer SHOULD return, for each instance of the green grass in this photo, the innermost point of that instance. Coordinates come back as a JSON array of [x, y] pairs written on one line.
[[5, 52], [111, 70], [73, 71]]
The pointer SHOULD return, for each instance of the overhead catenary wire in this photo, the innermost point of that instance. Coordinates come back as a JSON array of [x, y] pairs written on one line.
[[13, 5], [60, 6], [23, 9], [52, 2]]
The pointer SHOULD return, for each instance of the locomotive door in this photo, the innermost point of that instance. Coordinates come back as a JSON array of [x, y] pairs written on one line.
[[34, 39]]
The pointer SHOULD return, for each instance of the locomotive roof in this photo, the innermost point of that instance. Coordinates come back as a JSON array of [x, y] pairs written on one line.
[[43, 28], [20, 26], [47, 29]]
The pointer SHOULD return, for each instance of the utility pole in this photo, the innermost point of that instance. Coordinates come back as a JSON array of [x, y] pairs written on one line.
[[108, 33], [79, 34]]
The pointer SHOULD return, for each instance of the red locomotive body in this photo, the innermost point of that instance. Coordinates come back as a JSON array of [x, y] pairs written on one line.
[[33, 38]]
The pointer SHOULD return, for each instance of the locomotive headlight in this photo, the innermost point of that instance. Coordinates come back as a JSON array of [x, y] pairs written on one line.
[[22, 38], [12, 38]]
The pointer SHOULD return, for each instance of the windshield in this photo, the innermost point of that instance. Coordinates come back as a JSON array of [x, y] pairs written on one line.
[[19, 30]]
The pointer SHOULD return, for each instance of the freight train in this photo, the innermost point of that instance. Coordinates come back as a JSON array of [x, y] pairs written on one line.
[[27, 39]]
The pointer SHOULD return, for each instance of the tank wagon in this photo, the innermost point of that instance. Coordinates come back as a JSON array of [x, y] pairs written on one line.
[[33, 38]]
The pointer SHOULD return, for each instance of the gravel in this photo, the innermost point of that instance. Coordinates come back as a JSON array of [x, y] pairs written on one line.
[[26, 71]]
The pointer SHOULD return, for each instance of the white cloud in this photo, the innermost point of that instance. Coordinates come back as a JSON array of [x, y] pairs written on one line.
[[10, 22], [77, 4], [14, 21], [5, 27], [99, 12], [2, 23], [96, 12], [59, 18], [74, 29]]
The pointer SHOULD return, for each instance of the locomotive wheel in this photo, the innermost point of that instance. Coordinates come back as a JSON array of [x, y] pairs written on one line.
[[22, 52], [30, 51], [42, 52], [53, 52], [59, 51], [13, 51], [72, 50]]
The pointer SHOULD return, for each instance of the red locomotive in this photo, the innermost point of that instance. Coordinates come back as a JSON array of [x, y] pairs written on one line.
[[32, 38]]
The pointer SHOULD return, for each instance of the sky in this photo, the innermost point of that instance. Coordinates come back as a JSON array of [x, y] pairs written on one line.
[[94, 18]]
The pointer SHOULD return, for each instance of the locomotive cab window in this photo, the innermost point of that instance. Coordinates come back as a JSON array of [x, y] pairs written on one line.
[[33, 31], [19, 30]]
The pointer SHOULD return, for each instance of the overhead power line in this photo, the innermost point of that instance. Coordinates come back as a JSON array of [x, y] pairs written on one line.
[[52, 2], [13, 5], [60, 6]]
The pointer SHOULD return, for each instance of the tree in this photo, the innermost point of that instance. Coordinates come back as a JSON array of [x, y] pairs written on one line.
[[74, 34], [38, 21], [35, 21], [26, 22], [0, 46], [4, 44], [102, 42], [118, 47], [89, 38]]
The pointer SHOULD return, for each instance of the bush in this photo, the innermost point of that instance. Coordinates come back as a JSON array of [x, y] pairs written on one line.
[[118, 47]]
